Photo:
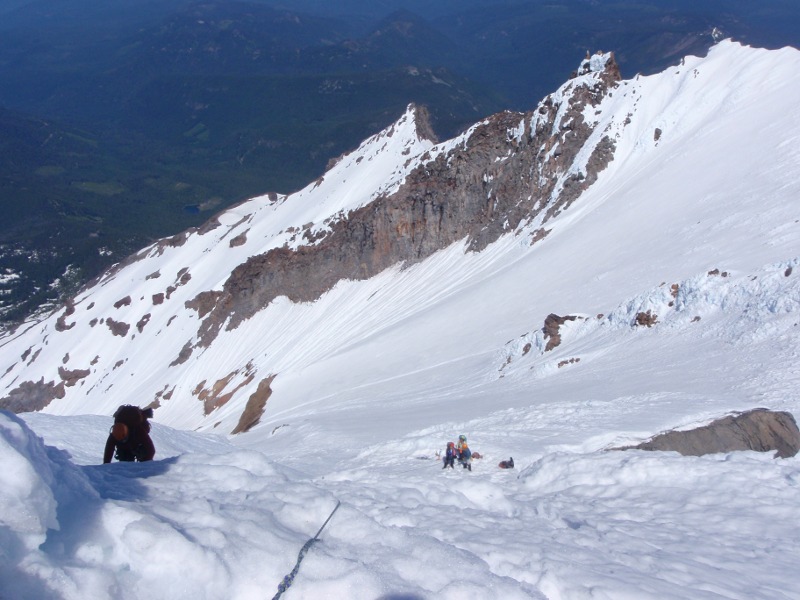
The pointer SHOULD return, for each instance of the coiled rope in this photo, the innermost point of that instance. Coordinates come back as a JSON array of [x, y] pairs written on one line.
[[289, 579]]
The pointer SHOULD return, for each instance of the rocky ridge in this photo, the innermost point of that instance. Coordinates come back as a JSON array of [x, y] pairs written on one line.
[[507, 171]]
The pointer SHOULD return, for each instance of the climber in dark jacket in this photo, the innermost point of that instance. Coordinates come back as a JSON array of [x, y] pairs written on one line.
[[449, 456], [129, 439]]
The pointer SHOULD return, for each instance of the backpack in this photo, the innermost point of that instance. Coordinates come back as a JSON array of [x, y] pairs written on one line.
[[129, 415]]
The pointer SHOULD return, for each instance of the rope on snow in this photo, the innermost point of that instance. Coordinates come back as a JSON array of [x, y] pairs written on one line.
[[289, 579]]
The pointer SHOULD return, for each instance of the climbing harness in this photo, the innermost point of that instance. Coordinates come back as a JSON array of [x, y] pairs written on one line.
[[289, 579]]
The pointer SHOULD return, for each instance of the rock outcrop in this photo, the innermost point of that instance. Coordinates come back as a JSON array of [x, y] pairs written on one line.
[[760, 429], [552, 326]]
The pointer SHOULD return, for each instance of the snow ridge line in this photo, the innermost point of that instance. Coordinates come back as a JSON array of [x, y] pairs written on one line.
[[289, 579]]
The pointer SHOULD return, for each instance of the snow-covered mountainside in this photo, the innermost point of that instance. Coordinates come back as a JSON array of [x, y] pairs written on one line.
[[394, 202], [621, 260]]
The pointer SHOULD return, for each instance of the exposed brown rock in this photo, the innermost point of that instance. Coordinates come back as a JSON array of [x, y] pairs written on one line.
[[31, 396], [759, 429], [204, 302], [34, 357], [164, 394], [239, 240], [209, 225], [142, 322], [158, 299], [117, 327], [183, 277], [71, 377], [423, 123], [61, 322], [256, 404], [213, 397], [539, 234], [183, 355], [126, 301], [647, 319], [570, 361], [176, 241], [552, 325]]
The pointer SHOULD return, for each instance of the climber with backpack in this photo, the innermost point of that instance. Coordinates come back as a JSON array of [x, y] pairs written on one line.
[[450, 456], [129, 438], [464, 453]]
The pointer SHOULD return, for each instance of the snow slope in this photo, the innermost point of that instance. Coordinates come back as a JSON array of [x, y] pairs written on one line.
[[698, 224]]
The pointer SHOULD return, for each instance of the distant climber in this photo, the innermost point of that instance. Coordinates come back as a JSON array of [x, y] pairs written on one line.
[[464, 453], [450, 456], [129, 438]]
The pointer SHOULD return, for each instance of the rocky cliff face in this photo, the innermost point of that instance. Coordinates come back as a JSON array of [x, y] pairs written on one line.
[[509, 170]]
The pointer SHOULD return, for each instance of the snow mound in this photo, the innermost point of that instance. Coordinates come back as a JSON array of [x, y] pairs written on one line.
[[129, 530]]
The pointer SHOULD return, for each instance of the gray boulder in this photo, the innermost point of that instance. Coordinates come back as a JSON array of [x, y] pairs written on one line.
[[759, 429]]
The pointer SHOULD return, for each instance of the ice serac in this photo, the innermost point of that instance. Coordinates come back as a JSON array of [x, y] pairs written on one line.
[[507, 171]]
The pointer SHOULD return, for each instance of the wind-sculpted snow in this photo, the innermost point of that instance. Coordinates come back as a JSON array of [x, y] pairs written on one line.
[[189, 526], [26, 484], [225, 523]]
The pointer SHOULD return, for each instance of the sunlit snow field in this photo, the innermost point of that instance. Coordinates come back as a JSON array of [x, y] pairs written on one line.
[[376, 377]]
